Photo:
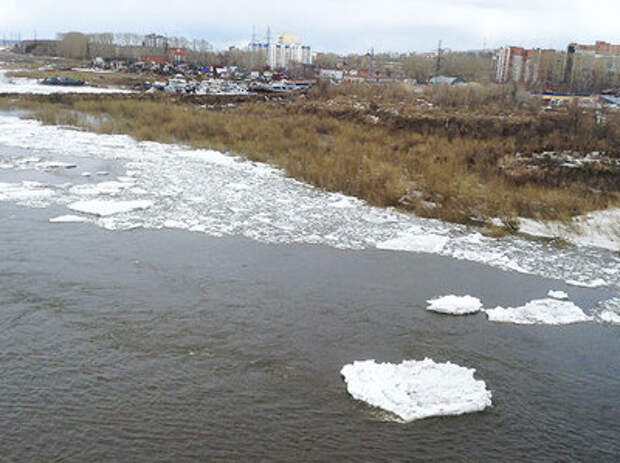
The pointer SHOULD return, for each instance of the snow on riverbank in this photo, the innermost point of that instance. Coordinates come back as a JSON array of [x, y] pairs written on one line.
[[455, 305], [33, 86], [600, 229], [539, 311], [218, 194], [414, 389]]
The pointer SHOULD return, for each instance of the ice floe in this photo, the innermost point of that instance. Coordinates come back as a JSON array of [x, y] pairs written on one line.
[[539, 311], [26, 193], [219, 194], [105, 208], [557, 294], [428, 242], [69, 219], [413, 389], [455, 305], [608, 311], [594, 283]]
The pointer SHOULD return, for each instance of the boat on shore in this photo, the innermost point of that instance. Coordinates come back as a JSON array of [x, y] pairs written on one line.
[[62, 81]]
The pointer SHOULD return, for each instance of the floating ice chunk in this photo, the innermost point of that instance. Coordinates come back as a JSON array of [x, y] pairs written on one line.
[[86, 174], [105, 208], [455, 305], [608, 316], [557, 294], [414, 389], [609, 311], [596, 283], [415, 243], [68, 219], [539, 311], [102, 172]]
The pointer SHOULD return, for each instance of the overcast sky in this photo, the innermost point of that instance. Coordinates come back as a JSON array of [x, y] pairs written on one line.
[[330, 25]]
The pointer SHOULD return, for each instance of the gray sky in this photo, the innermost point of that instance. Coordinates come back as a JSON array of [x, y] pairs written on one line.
[[330, 25]]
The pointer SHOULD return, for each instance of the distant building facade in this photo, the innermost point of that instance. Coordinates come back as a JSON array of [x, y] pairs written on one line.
[[584, 62], [285, 49], [580, 67], [528, 66]]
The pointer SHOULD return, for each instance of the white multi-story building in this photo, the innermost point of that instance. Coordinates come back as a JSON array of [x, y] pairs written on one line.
[[286, 48]]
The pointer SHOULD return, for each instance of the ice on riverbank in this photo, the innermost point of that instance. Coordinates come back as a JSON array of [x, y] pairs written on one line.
[[455, 305], [599, 228], [539, 311], [219, 194], [557, 294], [413, 390], [33, 86], [105, 208]]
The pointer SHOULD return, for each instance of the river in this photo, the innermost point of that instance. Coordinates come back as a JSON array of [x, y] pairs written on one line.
[[212, 320]]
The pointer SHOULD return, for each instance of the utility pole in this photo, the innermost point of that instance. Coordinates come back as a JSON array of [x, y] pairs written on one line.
[[438, 63]]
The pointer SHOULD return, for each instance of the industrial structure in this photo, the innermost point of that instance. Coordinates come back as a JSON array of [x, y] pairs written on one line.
[[286, 48]]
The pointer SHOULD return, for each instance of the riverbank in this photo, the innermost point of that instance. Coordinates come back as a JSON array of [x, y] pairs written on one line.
[[471, 154]]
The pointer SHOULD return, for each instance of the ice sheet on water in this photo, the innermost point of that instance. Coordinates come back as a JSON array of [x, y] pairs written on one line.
[[26, 193], [455, 305], [69, 219], [218, 194], [586, 283], [105, 208], [413, 390], [539, 311], [428, 242]]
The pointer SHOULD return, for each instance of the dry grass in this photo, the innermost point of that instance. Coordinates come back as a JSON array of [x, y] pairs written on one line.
[[449, 174]]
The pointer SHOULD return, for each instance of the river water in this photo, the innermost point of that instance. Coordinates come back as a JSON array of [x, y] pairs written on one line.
[[131, 338]]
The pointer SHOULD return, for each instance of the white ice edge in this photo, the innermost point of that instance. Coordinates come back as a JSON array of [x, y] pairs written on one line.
[[455, 305], [414, 390], [539, 312], [218, 194]]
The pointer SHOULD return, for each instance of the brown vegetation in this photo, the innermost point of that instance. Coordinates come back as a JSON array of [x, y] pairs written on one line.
[[385, 145]]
